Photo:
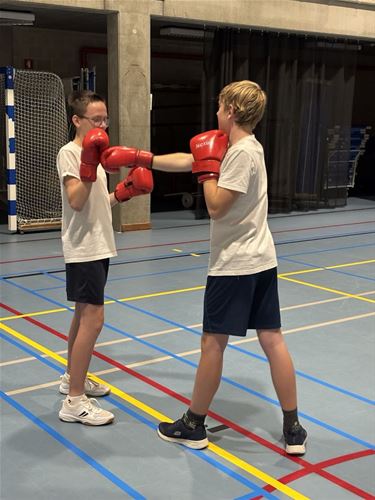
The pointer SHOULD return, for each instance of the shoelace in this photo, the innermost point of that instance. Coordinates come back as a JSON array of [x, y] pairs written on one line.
[[295, 430], [91, 383], [88, 403], [90, 406]]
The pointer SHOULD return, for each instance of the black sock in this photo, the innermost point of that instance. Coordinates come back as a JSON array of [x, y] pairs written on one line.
[[290, 419], [192, 420]]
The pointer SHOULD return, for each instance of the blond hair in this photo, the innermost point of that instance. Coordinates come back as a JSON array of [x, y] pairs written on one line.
[[248, 101]]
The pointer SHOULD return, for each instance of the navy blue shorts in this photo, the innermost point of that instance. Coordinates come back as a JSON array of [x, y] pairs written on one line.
[[85, 281], [235, 304]]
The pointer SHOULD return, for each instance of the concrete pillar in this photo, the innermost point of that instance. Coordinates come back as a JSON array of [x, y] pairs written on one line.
[[129, 43]]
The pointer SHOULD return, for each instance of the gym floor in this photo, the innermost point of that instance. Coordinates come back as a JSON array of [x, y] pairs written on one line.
[[148, 352]]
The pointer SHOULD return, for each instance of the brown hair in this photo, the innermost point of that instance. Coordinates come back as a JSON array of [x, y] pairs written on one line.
[[79, 100], [248, 101]]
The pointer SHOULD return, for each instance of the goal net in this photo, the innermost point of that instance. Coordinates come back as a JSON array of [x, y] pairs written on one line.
[[40, 129]]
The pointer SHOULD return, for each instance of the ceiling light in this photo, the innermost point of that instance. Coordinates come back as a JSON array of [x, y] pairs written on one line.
[[16, 18]]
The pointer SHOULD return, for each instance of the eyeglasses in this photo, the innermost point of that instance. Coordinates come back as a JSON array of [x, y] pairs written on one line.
[[97, 121]]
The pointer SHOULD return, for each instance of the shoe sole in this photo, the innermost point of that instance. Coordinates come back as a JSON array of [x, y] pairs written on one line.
[[296, 449], [195, 445], [70, 419]]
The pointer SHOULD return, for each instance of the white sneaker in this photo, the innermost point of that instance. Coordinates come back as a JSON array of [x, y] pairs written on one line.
[[86, 411], [92, 388]]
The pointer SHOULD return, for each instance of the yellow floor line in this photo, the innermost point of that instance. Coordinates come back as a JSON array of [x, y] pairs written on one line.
[[151, 361], [182, 290], [32, 314], [199, 325], [125, 299], [241, 464], [331, 290], [349, 264]]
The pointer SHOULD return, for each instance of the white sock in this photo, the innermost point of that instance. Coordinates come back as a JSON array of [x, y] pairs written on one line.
[[74, 400]]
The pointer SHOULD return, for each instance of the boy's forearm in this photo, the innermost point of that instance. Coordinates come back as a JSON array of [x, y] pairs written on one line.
[[174, 162], [78, 192], [218, 200]]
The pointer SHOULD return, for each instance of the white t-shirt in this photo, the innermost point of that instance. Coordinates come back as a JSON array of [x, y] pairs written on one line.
[[86, 235], [241, 242]]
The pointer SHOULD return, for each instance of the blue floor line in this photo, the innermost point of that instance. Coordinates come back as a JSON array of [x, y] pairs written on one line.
[[59, 437], [200, 454], [134, 276], [314, 266], [184, 254], [188, 362], [323, 237], [327, 250]]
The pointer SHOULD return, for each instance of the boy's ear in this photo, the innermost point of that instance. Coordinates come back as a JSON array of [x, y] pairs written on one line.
[[230, 111], [75, 120]]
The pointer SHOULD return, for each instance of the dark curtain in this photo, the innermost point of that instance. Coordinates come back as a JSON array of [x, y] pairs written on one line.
[[306, 128]]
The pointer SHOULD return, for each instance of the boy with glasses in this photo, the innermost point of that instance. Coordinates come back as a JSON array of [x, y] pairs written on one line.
[[88, 244]]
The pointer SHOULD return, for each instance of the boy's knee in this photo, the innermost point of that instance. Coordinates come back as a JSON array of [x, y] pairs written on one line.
[[214, 343], [270, 338]]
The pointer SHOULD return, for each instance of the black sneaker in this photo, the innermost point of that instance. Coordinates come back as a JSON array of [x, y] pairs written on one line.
[[178, 432], [295, 440]]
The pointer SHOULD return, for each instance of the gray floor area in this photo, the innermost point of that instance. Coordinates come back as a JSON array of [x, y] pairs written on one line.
[[148, 352]]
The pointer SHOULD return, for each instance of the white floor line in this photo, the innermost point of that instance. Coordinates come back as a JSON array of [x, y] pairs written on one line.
[[196, 351], [101, 344], [172, 330]]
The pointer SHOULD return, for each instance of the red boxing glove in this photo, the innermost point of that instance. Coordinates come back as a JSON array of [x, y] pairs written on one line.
[[116, 157], [94, 143], [139, 181], [208, 150]]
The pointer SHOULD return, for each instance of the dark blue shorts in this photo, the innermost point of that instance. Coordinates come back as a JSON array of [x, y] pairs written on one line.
[[235, 304], [85, 281]]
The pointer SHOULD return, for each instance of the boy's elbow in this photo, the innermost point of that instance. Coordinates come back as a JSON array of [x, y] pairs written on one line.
[[77, 207], [214, 213]]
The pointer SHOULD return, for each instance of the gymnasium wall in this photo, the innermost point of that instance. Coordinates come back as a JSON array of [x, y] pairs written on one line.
[[57, 51]]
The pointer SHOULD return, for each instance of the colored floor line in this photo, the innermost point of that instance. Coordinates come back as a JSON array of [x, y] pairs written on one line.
[[212, 414], [231, 345], [198, 268], [115, 261], [323, 227], [327, 289], [156, 245], [315, 269], [144, 420], [332, 269], [327, 250], [189, 242], [188, 362], [201, 454], [73, 448], [293, 476], [234, 460], [197, 351], [175, 291]]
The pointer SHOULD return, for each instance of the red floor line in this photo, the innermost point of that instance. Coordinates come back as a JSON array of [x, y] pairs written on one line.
[[191, 241], [323, 227], [118, 249], [308, 468], [318, 469]]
